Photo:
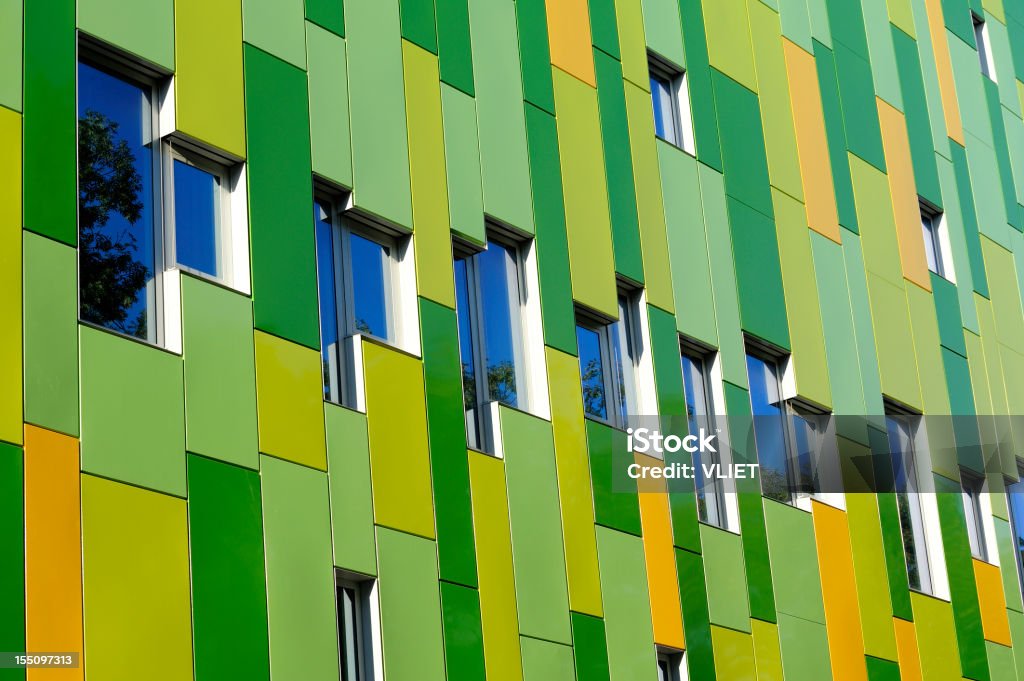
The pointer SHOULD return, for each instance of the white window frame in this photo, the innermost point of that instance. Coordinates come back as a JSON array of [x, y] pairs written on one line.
[[978, 514], [679, 97], [937, 238], [984, 45], [369, 660]]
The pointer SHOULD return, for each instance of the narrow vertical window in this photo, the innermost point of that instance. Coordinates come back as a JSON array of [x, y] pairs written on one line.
[[609, 354], [972, 486], [931, 233], [902, 429], [769, 415], [671, 665], [700, 415], [356, 646], [670, 101], [592, 348], [327, 266], [984, 45]]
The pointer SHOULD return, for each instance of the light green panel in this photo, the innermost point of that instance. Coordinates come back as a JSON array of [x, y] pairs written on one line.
[[300, 580], [462, 163], [11, 16], [1015, 143], [688, 247], [348, 474], [504, 161], [857, 287], [897, 363], [220, 373], [936, 638], [277, 27], [804, 647], [936, 118], [588, 226], [538, 555], [872, 576], [798, 281], [820, 28], [328, 105], [724, 571], [727, 27], [958, 241], [970, 92], [1017, 636], [142, 27], [51, 334], [1008, 565], [410, 607], [632, 43], [380, 147], [662, 29], [794, 561], [1003, 62], [796, 23], [1005, 295], [546, 661], [1000, 661], [881, 52], [133, 421], [627, 610]]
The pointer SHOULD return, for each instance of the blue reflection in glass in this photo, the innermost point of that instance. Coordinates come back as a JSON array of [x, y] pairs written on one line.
[[496, 270], [769, 427], [592, 372], [370, 274], [1015, 495], [327, 288], [195, 218], [464, 316]]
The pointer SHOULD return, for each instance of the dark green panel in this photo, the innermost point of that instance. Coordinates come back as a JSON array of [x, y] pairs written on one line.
[[603, 29], [882, 670], [329, 14], [463, 636], [50, 120], [947, 311], [534, 56], [12, 558], [552, 243], [743, 152], [860, 114], [1002, 149], [957, 15], [280, 199], [619, 510], [590, 648], [418, 23], [454, 51], [895, 560], [829, 86], [846, 23], [970, 217], [698, 79], [446, 432], [618, 163], [915, 108], [229, 591], [693, 596]]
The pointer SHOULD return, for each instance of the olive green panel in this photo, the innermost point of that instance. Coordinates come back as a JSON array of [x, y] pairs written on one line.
[[632, 42], [348, 475], [627, 610], [876, 221], [329, 128], [897, 363], [870, 573], [794, 559], [724, 573], [142, 27], [729, 45], [11, 15], [277, 27], [936, 638], [546, 661], [1005, 294], [462, 164]]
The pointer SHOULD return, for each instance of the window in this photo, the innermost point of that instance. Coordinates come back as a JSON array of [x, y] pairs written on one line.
[[700, 414], [489, 294], [984, 46], [609, 355], [200, 209], [902, 431], [356, 645], [931, 231], [671, 102], [973, 487], [1015, 504], [671, 666]]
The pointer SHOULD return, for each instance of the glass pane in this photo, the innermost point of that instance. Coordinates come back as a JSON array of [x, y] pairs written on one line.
[[1015, 500], [664, 117], [370, 278], [624, 355], [806, 445], [930, 251], [699, 415], [908, 502], [592, 374], [330, 349], [116, 212], [499, 291], [195, 218], [467, 351], [769, 427], [348, 628]]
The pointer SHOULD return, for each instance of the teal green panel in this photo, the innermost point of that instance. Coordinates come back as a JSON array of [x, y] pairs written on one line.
[[970, 218], [618, 163], [446, 432], [141, 27], [11, 37], [546, 661], [1002, 150], [591, 650], [51, 334], [280, 199], [229, 590], [534, 55], [794, 560], [957, 16], [828, 83], [693, 596], [724, 573], [410, 607], [882, 670], [380, 147], [846, 22], [985, 183], [132, 401], [462, 164], [12, 559], [552, 245], [857, 98], [915, 109], [958, 242], [895, 558], [50, 127], [947, 311], [1014, 128], [220, 373], [743, 153], [348, 474], [276, 27], [804, 648], [454, 51], [857, 287], [538, 556], [698, 79], [627, 610], [1002, 58], [329, 14], [603, 29], [329, 131], [463, 636], [300, 580], [668, 375], [758, 274], [619, 510], [418, 23]]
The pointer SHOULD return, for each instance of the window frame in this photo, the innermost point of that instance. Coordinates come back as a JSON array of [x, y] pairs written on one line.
[[611, 399], [658, 67], [349, 227], [366, 619], [932, 238], [983, 43], [671, 664], [972, 486], [702, 355]]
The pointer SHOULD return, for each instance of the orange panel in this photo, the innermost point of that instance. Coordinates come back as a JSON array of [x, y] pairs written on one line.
[[906, 646], [53, 549], [569, 37], [904, 195], [659, 554], [839, 592], [811, 144], [992, 599], [944, 67]]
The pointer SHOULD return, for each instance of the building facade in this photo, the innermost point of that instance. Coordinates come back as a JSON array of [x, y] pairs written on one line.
[[328, 326]]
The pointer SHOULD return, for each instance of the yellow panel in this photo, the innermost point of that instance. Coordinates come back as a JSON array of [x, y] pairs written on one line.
[[903, 190], [767, 654], [629, 20], [399, 456], [992, 599], [574, 491], [569, 38], [208, 96], [289, 400], [659, 555], [10, 277], [53, 549], [430, 218], [587, 223], [909, 658], [839, 593], [138, 610], [734, 655], [872, 579], [944, 68], [812, 145], [650, 205], [498, 615]]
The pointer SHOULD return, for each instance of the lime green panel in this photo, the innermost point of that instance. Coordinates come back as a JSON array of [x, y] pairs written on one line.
[[277, 27], [1008, 564], [876, 221], [11, 333], [546, 661], [627, 610], [804, 649], [936, 638], [11, 53], [724, 573], [462, 164], [142, 27], [348, 474], [871, 575], [729, 45], [632, 42], [328, 105], [794, 561], [734, 655], [897, 363]]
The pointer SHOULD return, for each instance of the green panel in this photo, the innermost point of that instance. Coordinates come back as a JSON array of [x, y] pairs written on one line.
[[418, 23], [463, 637], [617, 510], [1008, 564], [794, 561], [280, 199], [132, 400], [1000, 662], [882, 670], [693, 596], [1002, 152], [804, 649], [588, 642], [743, 154], [796, 22], [328, 105], [534, 55], [603, 29], [454, 51], [895, 558], [884, 68], [698, 78], [229, 590], [835, 134], [142, 27], [51, 334], [915, 108], [758, 274], [856, 282], [662, 29], [724, 572], [348, 473], [860, 117], [947, 312], [627, 610], [970, 219], [329, 14], [462, 163], [11, 37], [276, 27], [546, 661], [300, 581], [12, 560], [446, 431], [410, 607], [846, 22], [50, 128], [220, 373]]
